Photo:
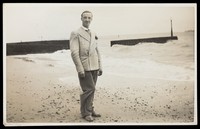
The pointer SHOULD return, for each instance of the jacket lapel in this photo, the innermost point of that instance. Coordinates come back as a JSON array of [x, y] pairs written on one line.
[[84, 34], [92, 43], [92, 38]]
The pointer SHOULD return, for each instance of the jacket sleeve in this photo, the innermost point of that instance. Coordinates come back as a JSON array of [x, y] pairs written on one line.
[[74, 48], [99, 56]]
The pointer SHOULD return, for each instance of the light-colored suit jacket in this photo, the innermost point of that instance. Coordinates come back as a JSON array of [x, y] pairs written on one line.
[[84, 51]]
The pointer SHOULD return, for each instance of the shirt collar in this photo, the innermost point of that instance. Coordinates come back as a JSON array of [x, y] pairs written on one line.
[[85, 28]]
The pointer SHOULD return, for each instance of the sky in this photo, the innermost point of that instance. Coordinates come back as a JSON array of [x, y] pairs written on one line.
[[35, 22]]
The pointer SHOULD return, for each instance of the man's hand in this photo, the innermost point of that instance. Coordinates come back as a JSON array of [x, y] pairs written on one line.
[[81, 74], [100, 72]]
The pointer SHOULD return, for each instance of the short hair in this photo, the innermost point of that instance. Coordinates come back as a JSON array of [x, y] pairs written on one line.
[[86, 12]]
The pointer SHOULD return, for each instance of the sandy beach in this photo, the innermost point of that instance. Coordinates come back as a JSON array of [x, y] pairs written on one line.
[[142, 84]]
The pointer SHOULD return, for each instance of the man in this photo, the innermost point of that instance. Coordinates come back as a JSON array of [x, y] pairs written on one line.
[[86, 57]]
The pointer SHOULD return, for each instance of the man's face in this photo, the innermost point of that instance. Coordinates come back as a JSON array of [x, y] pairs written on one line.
[[86, 19]]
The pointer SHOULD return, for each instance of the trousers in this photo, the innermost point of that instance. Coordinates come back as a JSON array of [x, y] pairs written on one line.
[[87, 84]]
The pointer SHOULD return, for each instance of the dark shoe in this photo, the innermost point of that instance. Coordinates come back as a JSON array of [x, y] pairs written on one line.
[[96, 115], [88, 118]]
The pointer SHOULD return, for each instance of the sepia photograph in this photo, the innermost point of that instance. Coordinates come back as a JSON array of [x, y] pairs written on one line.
[[99, 64]]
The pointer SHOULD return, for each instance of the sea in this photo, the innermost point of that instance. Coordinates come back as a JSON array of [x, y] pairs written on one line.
[[174, 60], [180, 51], [175, 57]]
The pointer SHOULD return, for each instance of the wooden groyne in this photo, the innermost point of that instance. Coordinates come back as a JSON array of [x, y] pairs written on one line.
[[21, 48], [136, 41], [146, 40]]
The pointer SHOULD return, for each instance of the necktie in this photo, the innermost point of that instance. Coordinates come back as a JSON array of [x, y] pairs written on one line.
[[88, 31]]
